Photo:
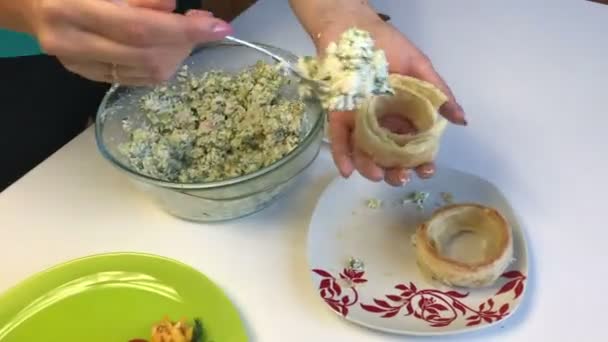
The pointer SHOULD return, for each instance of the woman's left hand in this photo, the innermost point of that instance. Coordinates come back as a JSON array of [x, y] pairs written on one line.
[[404, 58]]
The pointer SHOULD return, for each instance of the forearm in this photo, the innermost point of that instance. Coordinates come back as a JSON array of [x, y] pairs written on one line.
[[16, 15], [317, 16]]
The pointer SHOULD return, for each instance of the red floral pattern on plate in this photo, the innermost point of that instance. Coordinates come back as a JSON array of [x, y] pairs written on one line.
[[331, 291], [437, 308]]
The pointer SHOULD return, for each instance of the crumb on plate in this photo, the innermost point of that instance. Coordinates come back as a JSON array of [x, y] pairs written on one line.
[[374, 203], [417, 197], [447, 197], [356, 264]]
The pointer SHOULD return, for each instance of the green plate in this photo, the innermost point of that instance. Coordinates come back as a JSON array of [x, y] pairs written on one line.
[[114, 298]]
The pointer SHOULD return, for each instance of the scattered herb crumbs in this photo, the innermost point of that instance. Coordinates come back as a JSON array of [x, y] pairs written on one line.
[[356, 264], [417, 197], [374, 203], [447, 197]]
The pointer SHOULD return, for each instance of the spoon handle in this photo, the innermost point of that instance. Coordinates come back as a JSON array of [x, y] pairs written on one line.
[[285, 63], [257, 47]]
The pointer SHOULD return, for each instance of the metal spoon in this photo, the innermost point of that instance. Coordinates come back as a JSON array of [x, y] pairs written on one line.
[[277, 58]]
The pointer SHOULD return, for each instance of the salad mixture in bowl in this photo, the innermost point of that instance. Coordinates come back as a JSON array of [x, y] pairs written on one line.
[[225, 138]]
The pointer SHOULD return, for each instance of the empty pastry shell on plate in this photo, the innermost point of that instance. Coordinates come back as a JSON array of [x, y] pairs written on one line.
[[432, 238], [418, 102]]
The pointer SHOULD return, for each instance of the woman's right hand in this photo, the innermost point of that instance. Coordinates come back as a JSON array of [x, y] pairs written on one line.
[[404, 58], [135, 42]]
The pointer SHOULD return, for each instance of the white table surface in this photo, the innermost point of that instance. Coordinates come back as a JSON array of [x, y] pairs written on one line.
[[531, 75]]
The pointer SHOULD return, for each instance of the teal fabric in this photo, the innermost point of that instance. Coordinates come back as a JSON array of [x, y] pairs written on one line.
[[14, 44]]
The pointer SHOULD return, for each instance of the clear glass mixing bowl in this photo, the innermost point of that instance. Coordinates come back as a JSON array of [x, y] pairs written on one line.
[[221, 200]]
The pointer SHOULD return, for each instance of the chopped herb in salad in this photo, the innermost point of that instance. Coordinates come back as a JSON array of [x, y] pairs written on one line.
[[214, 126]]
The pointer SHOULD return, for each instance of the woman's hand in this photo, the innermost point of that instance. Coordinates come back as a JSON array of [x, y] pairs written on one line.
[[135, 42], [404, 58]]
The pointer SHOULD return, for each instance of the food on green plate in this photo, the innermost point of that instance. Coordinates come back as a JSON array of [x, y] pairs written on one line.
[[215, 126], [417, 102], [180, 331], [351, 70]]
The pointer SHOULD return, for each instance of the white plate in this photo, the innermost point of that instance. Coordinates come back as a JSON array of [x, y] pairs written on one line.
[[391, 294]]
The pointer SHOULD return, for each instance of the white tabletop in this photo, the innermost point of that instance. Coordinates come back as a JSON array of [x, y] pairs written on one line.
[[531, 75]]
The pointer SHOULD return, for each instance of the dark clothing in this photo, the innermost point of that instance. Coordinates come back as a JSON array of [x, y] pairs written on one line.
[[43, 107], [184, 5]]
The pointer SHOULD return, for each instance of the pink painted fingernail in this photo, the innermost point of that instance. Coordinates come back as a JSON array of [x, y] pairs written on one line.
[[427, 172], [464, 120], [345, 175], [222, 27], [404, 179]]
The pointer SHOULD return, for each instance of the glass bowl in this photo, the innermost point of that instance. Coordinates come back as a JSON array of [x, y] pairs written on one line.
[[220, 200]]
